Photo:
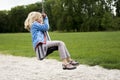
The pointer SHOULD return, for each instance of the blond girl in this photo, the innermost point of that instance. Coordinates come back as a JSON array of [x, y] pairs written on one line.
[[38, 24]]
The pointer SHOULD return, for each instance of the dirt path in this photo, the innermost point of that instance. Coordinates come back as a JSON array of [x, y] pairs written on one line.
[[22, 68]]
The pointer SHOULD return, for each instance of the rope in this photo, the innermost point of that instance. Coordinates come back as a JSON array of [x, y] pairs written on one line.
[[48, 36], [42, 6]]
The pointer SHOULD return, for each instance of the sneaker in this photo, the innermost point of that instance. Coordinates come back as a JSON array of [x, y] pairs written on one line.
[[68, 67], [74, 63]]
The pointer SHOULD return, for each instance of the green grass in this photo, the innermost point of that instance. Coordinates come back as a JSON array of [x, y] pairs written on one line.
[[92, 48], [18, 44]]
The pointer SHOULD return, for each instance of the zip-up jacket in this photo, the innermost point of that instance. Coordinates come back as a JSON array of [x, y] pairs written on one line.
[[37, 31]]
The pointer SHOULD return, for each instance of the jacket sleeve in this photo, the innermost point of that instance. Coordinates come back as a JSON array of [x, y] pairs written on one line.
[[41, 27], [46, 21]]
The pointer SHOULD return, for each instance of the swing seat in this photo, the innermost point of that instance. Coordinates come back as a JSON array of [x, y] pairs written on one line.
[[51, 49], [41, 52]]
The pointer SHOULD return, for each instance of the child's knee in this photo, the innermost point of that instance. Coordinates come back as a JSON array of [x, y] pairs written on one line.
[[61, 43]]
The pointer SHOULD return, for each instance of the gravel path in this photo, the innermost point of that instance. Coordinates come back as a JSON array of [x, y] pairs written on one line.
[[22, 68]]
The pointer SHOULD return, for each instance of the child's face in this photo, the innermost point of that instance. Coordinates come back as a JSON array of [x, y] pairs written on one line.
[[40, 19]]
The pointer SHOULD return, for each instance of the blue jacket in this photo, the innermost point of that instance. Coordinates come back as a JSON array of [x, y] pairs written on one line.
[[37, 31]]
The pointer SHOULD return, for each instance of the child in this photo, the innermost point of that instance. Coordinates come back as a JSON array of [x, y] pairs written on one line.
[[38, 24]]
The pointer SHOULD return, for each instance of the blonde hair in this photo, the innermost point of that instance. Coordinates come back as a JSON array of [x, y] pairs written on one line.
[[32, 16]]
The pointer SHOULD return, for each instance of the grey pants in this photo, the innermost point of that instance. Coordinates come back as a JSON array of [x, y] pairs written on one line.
[[61, 48]]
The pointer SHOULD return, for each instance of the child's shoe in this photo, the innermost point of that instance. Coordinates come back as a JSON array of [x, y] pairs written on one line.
[[68, 66], [74, 63]]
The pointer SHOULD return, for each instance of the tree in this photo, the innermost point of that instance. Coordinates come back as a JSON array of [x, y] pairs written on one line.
[[117, 5], [65, 15], [17, 17], [4, 27]]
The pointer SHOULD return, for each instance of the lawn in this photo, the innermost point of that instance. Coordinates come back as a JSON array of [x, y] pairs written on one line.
[[91, 48]]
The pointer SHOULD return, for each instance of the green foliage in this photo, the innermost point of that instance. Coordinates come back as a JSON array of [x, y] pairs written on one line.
[[92, 48], [3, 21], [65, 15], [117, 5], [17, 17]]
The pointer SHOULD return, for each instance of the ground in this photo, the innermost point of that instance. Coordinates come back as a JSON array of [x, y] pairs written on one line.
[[23, 68]]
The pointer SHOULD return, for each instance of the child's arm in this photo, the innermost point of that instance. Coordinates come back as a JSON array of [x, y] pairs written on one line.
[[45, 19], [42, 27]]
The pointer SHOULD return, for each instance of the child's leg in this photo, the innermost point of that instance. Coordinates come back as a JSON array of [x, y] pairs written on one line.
[[61, 48], [64, 54]]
